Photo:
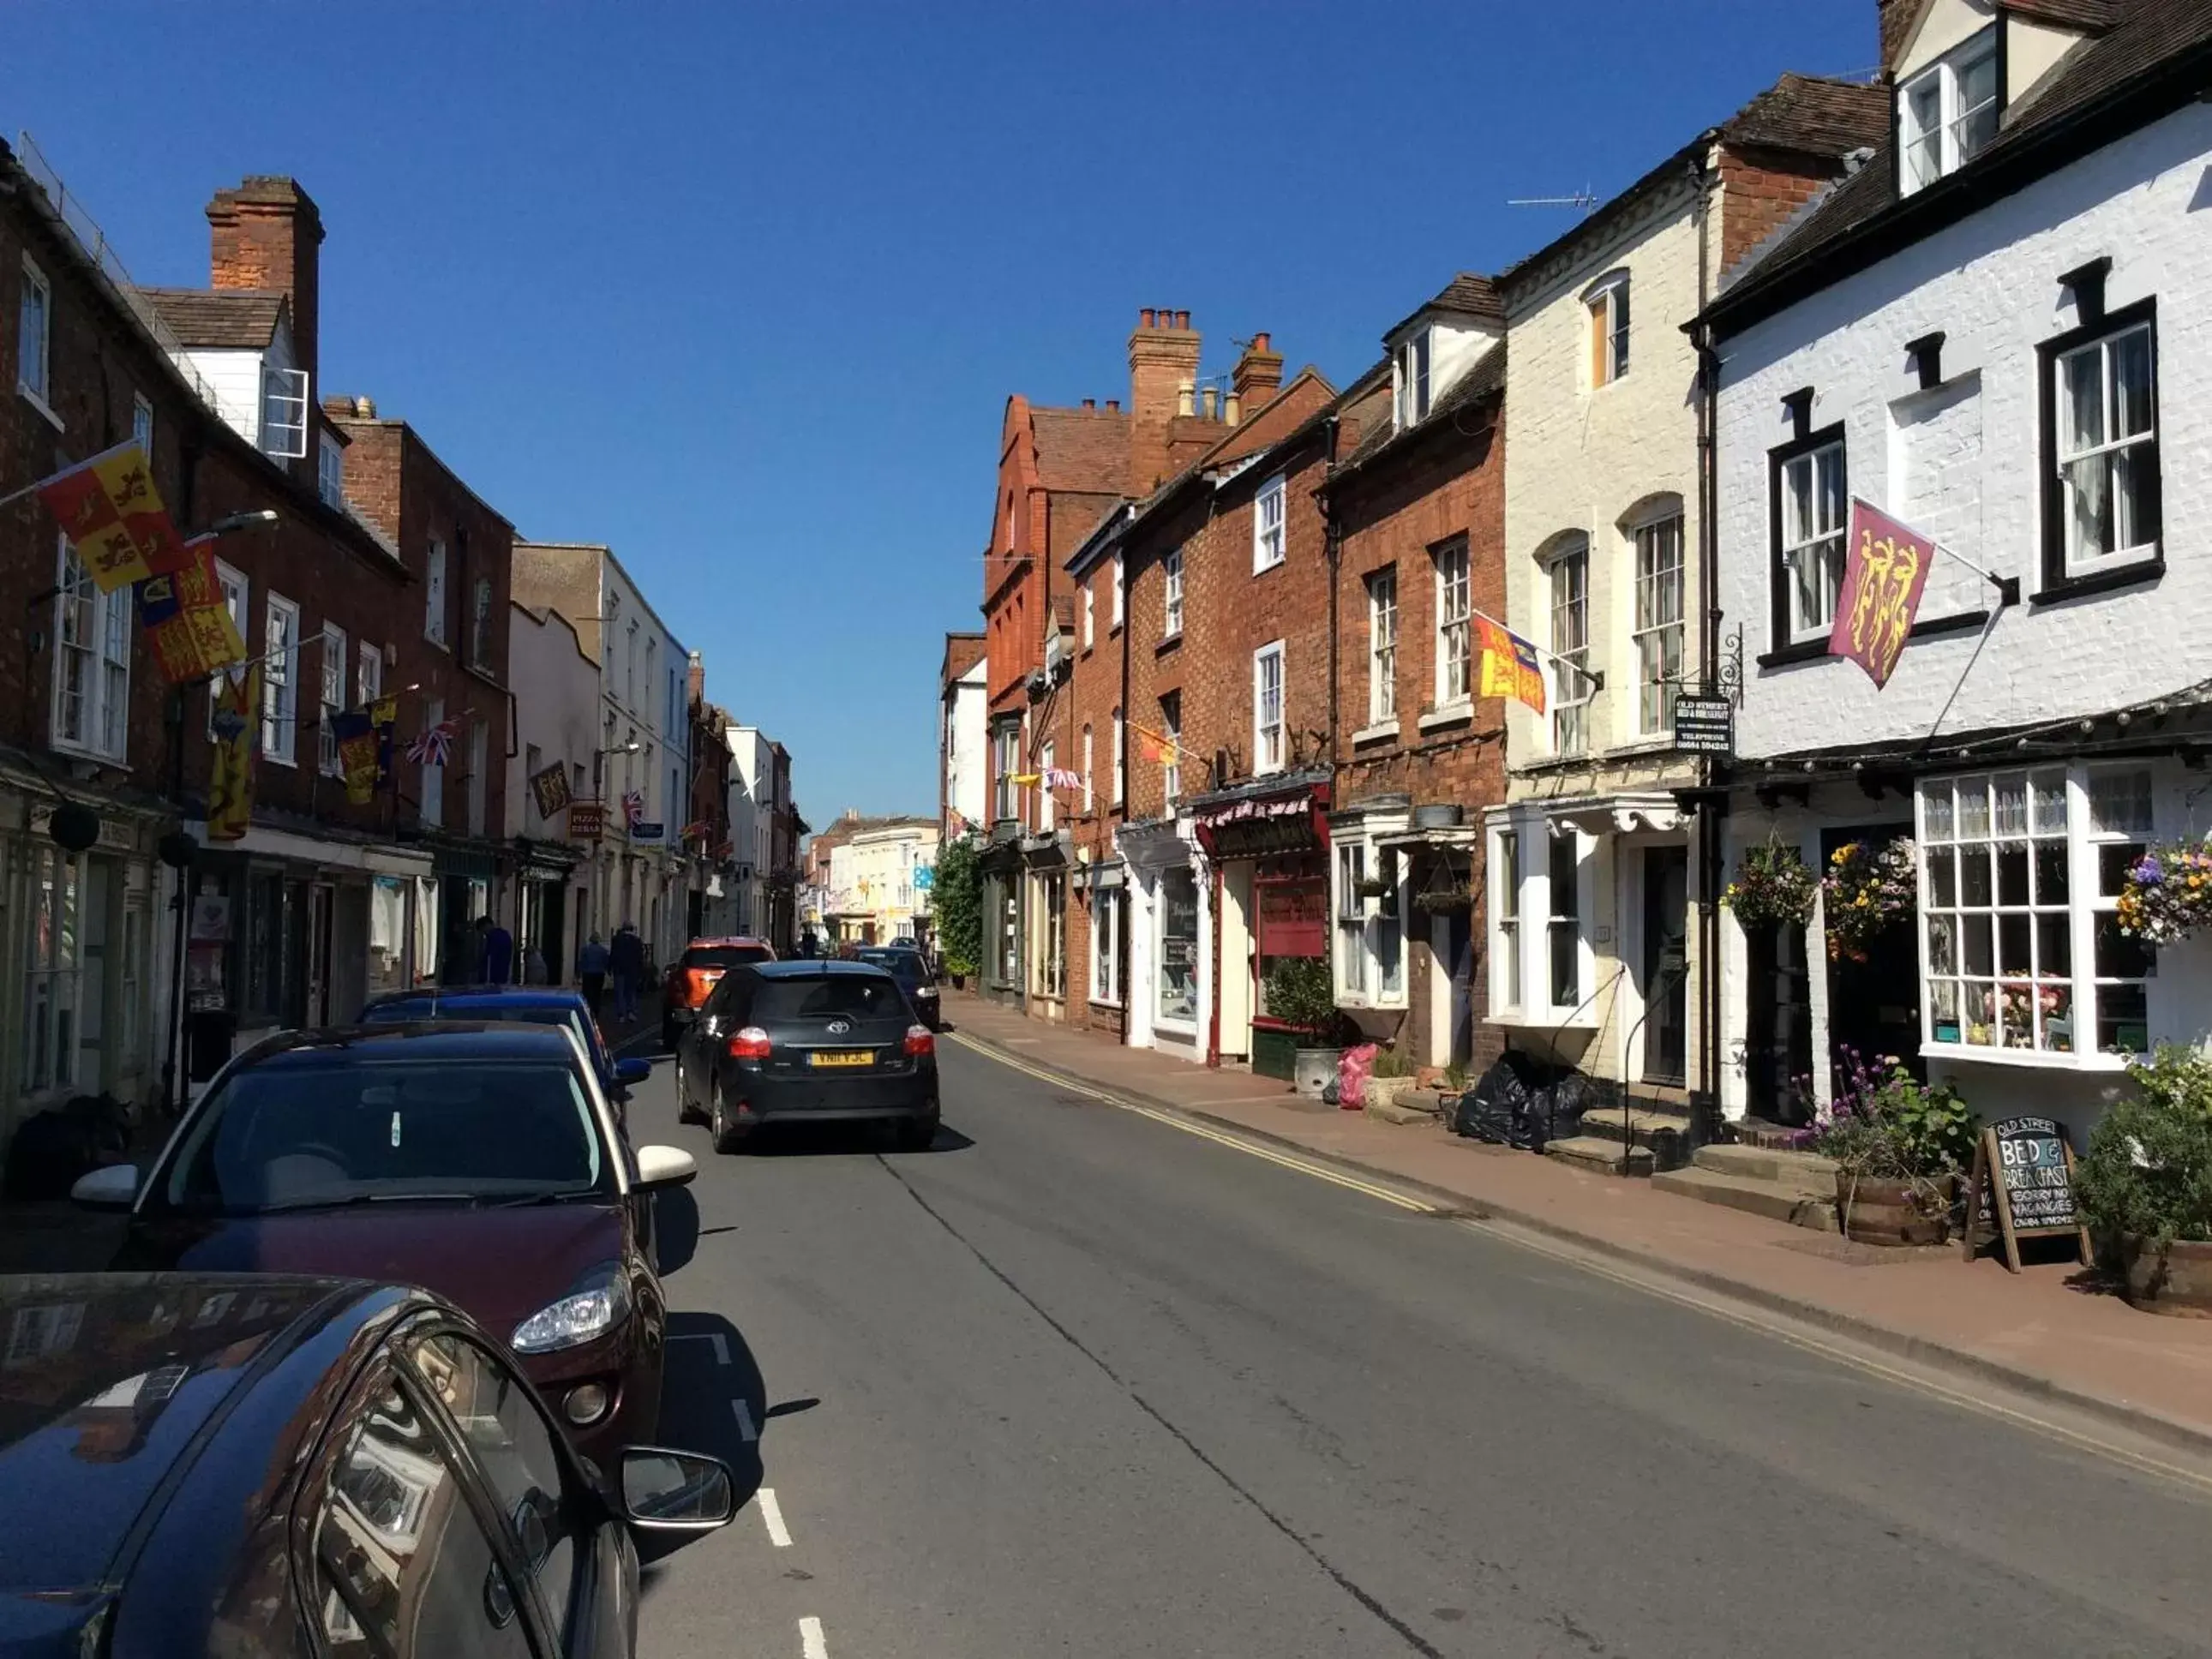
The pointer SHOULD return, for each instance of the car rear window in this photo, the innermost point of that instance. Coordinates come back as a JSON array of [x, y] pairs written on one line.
[[285, 1136], [863, 995], [725, 956], [906, 966]]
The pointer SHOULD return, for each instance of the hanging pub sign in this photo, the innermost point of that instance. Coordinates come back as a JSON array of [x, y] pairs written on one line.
[[2022, 1187], [550, 788], [587, 820], [1704, 726]]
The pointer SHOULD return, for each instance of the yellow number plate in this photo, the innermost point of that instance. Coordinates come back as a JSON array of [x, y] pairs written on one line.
[[842, 1059]]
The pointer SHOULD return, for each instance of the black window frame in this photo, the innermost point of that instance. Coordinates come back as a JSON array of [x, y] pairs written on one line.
[[1781, 648], [2051, 500]]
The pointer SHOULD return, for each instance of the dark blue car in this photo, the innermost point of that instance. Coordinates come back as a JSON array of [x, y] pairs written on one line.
[[535, 1005]]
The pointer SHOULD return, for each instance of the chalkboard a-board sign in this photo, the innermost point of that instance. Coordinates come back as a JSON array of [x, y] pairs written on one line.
[[2022, 1187]]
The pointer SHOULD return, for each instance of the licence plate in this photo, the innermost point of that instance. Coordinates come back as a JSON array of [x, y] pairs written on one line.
[[841, 1057]]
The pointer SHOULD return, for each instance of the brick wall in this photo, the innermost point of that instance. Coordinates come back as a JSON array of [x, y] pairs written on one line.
[[1761, 189]]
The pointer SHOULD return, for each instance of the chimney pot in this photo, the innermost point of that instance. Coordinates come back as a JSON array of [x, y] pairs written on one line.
[[1232, 409], [1259, 343], [1259, 372], [1144, 318], [365, 407], [1090, 403], [1113, 405], [1213, 395], [1183, 319], [1182, 397]]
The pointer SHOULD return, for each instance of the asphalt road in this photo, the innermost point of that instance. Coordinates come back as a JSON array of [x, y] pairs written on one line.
[[1077, 1383]]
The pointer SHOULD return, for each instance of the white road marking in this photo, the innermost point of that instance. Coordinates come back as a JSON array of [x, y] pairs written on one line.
[[721, 1343], [772, 1512], [811, 1643], [746, 1432]]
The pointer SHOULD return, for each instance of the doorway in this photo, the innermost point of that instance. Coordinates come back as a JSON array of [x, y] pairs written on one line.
[[316, 975], [1665, 979], [1874, 1006]]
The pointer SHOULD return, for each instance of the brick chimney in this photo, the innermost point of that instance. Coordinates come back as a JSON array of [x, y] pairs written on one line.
[[1162, 361], [266, 234], [698, 679], [1896, 18], [1258, 375]]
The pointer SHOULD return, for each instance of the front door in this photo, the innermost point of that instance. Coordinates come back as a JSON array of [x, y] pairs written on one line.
[[1874, 1006], [318, 966], [1665, 977]]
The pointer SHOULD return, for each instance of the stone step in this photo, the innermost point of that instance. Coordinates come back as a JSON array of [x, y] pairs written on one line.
[[1391, 1112], [1605, 1156], [1758, 1132], [1776, 1200], [1815, 1174], [1666, 1133]]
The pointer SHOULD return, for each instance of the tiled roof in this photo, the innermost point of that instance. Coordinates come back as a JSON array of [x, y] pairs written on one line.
[[2091, 17], [243, 319], [1085, 450], [2146, 36], [1467, 294], [1819, 116], [1485, 380]]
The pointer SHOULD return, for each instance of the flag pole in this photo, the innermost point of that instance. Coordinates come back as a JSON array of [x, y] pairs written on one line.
[[1596, 681]]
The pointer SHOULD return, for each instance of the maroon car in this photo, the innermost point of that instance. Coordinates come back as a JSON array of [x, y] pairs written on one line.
[[481, 1161]]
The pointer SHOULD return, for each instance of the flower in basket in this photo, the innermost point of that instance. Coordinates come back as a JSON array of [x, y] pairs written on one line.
[[1867, 890], [2167, 894], [1772, 885]]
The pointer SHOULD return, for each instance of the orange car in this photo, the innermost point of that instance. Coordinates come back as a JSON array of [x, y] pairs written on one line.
[[694, 974]]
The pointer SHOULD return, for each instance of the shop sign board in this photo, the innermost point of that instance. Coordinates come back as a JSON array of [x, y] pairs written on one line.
[[2022, 1187]]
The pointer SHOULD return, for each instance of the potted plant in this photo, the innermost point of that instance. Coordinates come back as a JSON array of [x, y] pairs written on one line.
[[1299, 995], [1772, 885], [1392, 1079], [1900, 1146], [1867, 890], [2144, 1184]]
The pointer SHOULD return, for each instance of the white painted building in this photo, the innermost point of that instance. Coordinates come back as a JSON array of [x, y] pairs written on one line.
[[873, 896], [2000, 337], [744, 907], [963, 762], [556, 720]]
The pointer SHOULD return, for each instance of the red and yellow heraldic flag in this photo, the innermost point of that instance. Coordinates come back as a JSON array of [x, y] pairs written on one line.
[[1509, 668], [1885, 572], [186, 619], [230, 785], [112, 514]]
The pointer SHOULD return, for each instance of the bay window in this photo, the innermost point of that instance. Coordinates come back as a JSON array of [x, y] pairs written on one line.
[[1506, 913], [1370, 954], [1563, 925], [2022, 951], [2101, 486]]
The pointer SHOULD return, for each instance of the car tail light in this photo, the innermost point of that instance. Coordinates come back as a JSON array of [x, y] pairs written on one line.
[[750, 1043], [920, 1040]]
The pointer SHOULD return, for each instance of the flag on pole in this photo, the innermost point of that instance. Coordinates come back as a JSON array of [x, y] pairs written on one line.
[[632, 805], [186, 621], [1151, 747], [230, 786], [357, 754], [1509, 668], [1885, 572], [384, 715], [955, 822], [1062, 777], [112, 514], [1025, 778], [435, 746], [551, 786]]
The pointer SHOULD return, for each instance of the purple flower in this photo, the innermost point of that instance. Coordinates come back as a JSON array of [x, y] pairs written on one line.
[[2148, 872]]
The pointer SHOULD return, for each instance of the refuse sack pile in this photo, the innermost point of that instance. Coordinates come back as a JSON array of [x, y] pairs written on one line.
[[1522, 1101]]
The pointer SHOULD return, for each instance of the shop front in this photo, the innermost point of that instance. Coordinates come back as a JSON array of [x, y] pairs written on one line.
[[1045, 866], [1005, 886], [1104, 890], [546, 909], [1266, 843], [1169, 939]]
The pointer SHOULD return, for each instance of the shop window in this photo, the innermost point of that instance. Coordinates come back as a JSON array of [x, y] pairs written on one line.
[[2022, 873], [387, 934], [1108, 915], [429, 956], [53, 965], [1177, 955], [1052, 956], [131, 1023], [261, 943]]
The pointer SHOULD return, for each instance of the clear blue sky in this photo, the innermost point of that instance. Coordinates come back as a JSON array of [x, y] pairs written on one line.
[[741, 288]]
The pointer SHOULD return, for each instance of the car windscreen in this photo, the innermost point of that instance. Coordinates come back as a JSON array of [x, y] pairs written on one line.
[[725, 956], [542, 1013], [861, 996], [905, 966], [361, 1130]]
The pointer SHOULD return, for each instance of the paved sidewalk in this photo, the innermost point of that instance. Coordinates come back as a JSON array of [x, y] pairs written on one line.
[[2045, 1330]]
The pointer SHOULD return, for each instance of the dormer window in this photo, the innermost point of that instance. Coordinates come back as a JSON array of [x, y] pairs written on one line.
[[1947, 112], [330, 473], [1414, 381]]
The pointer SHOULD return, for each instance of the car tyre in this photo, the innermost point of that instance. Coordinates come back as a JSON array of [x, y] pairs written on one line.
[[685, 1111], [728, 1137], [918, 1135]]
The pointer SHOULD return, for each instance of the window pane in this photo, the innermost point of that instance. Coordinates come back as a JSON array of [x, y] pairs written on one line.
[[2051, 881], [1974, 875], [1973, 810], [1974, 933], [2010, 795], [1943, 944], [2014, 956], [2054, 946], [2119, 802], [2113, 862], [1942, 877], [2123, 1018], [2081, 411], [2130, 366], [1935, 812], [1980, 1000], [2012, 873], [2120, 956]]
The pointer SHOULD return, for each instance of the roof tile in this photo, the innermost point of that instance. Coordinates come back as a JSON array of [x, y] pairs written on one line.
[[240, 318]]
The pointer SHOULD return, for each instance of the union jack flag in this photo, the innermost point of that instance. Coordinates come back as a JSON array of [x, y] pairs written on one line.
[[434, 747], [633, 807]]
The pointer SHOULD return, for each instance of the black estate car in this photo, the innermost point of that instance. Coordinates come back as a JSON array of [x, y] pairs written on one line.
[[808, 1042], [256, 1466]]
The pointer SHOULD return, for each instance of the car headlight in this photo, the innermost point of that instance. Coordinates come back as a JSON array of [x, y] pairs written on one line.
[[591, 1309]]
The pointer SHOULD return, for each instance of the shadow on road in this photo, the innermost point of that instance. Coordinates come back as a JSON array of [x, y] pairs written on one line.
[[843, 1140], [676, 1230], [713, 1400]]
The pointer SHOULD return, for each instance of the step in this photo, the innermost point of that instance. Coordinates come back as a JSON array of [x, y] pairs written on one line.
[[1666, 1133], [1776, 1200], [1808, 1170], [1604, 1155], [1758, 1132], [1394, 1113]]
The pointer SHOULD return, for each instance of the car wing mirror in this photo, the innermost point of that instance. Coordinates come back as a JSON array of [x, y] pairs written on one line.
[[113, 1187], [666, 1491], [632, 1071], [664, 1166]]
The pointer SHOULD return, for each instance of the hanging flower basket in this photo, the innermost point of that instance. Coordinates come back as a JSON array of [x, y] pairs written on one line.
[[1772, 885], [1867, 891], [2168, 894], [1445, 901]]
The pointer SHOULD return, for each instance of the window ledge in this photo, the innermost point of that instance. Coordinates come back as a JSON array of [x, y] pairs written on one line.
[[1101, 1002], [1451, 714], [2041, 1060], [1377, 732], [2140, 573], [490, 678], [1658, 743], [1799, 651], [41, 405], [1372, 1004], [1276, 563], [1550, 1020], [1168, 643], [1962, 622], [433, 640]]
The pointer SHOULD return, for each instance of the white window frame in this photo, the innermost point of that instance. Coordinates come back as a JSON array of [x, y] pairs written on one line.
[[1660, 635], [1562, 923], [283, 412], [1172, 595], [34, 368], [1090, 616], [1047, 758], [329, 472], [1609, 319], [433, 594], [432, 803], [2091, 815], [1809, 537], [1270, 732], [1507, 957], [332, 676], [1383, 645], [1454, 640], [369, 673], [1413, 380], [238, 598], [1569, 623], [141, 422], [1120, 780], [93, 632], [1120, 593], [1171, 749], [279, 680], [1270, 512], [1005, 761], [1087, 807], [2114, 458], [1106, 923], [1927, 152], [1367, 936]]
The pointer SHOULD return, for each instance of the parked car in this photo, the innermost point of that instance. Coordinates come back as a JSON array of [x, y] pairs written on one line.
[[694, 974], [481, 1160], [908, 967], [808, 1042], [259, 1466], [536, 1005]]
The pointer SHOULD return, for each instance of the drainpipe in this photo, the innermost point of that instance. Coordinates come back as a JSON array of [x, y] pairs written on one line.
[[1333, 545], [1705, 1124], [1213, 997]]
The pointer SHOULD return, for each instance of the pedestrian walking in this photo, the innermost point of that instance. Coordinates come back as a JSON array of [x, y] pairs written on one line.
[[495, 952], [592, 970], [626, 962]]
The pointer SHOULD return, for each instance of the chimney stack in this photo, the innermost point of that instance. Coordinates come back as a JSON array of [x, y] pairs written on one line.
[[1893, 18], [1212, 398], [1090, 402], [264, 234], [1232, 409], [697, 681], [1258, 373], [1163, 375]]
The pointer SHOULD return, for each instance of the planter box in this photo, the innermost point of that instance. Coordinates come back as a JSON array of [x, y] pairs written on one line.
[[1894, 1212], [1273, 1051], [1312, 1070], [2176, 1281]]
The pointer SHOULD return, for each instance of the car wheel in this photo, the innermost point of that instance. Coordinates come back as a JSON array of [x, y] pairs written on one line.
[[918, 1135], [728, 1138], [685, 1111]]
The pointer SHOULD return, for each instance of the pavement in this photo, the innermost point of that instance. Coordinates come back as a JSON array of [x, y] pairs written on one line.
[[1094, 1381], [2054, 1330]]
